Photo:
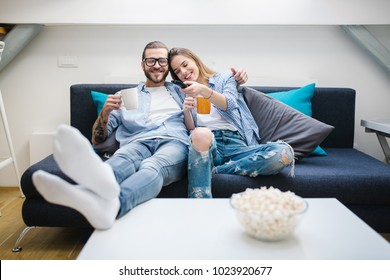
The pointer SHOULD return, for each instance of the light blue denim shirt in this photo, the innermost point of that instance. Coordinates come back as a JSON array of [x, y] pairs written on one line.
[[237, 112], [132, 124]]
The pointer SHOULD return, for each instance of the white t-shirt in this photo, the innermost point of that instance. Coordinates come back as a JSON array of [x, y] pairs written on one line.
[[214, 120], [162, 104]]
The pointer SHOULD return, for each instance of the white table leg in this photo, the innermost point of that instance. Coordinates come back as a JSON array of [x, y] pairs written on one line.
[[385, 146]]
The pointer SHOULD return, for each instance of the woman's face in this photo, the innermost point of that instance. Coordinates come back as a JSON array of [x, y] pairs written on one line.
[[185, 68]]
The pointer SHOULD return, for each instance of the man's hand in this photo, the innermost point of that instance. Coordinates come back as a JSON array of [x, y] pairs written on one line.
[[113, 102], [240, 75]]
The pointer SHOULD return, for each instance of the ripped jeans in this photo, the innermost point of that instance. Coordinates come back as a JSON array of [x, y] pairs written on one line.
[[229, 154], [142, 168]]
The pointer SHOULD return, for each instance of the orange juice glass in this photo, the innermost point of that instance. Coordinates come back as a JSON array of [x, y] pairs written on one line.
[[203, 106]]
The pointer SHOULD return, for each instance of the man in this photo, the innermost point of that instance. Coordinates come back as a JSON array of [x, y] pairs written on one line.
[[153, 149]]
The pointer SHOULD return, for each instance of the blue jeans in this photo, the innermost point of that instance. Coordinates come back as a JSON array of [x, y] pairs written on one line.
[[142, 168], [229, 154]]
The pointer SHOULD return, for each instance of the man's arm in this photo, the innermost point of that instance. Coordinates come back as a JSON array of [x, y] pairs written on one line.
[[100, 127], [240, 75]]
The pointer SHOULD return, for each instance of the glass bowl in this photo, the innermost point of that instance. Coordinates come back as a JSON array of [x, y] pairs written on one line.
[[268, 214]]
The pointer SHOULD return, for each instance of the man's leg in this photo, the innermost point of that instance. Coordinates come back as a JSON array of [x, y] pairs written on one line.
[[97, 207], [166, 165], [77, 159], [96, 193], [127, 160], [99, 212]]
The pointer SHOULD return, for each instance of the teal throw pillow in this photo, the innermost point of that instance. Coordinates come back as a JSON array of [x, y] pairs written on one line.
[[99, 99], [299, 99]]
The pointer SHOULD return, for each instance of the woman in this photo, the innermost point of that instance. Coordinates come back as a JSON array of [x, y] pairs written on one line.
[[226, 140]]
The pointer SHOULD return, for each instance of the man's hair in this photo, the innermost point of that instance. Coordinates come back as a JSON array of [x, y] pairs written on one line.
[[204, 70], [154, 45]]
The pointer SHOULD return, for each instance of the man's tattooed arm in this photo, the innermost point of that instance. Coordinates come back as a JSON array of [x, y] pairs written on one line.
[[99, 130]]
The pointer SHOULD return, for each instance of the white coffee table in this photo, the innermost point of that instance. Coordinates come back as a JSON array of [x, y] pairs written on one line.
[[207, 229]]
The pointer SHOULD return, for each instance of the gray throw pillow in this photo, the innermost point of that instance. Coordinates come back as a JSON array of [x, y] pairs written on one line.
[[278, 121]]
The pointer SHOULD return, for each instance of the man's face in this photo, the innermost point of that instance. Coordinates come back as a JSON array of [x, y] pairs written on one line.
[[155, 74]]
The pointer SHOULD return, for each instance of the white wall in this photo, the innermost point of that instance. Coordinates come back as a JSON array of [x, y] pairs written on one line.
[[285, 12], [36, 91]]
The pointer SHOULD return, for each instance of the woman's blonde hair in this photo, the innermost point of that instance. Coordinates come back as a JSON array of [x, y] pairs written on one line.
[[204, 71]]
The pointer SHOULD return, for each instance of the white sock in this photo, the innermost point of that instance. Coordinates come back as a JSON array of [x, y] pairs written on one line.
[[77, 159], [100, 213]]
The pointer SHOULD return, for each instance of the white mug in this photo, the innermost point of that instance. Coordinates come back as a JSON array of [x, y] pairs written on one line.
[[130, 98]]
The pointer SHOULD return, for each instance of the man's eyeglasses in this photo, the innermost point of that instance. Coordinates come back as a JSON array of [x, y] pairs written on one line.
[[162, 61]]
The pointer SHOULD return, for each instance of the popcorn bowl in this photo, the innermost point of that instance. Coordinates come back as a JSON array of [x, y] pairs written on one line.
[[268, 214]]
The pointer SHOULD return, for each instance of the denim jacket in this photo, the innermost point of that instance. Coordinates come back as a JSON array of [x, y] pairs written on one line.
[[237, 112], [131, 125]]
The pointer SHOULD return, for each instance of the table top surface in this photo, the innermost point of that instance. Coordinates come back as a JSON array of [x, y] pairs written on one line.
[[382, 125], [207, 229]]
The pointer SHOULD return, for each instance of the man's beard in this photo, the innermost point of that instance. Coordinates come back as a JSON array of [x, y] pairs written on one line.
[[152, 78]]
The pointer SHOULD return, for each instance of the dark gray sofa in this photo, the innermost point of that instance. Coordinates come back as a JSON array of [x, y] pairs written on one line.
[[359, 181]]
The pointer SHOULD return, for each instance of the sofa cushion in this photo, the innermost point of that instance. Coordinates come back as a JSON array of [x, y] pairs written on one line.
[[278, 121], [300, 99], [346, 174]]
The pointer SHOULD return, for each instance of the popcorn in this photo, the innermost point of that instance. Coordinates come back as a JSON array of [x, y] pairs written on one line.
[[268, 214]]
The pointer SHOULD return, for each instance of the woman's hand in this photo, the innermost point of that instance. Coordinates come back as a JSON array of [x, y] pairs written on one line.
[[189, 103], [195, 89]]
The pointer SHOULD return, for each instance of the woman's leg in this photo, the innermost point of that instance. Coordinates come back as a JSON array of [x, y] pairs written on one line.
[[264, 159], [202, 150]]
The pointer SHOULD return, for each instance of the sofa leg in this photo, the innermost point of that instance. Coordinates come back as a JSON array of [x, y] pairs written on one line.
[[17, 248]]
